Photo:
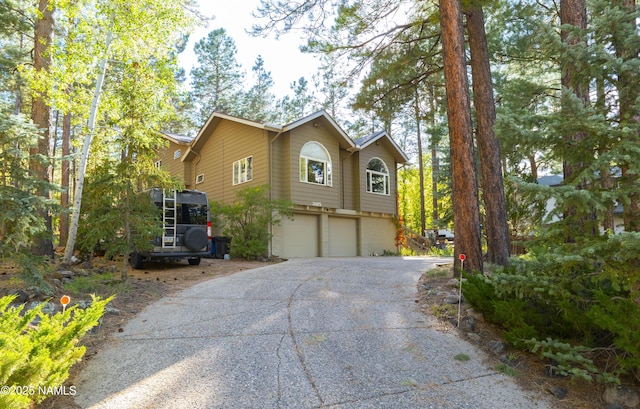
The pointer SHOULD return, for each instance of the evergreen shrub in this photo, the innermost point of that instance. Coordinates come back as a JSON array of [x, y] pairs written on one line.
[[576, 304], [39, 349]]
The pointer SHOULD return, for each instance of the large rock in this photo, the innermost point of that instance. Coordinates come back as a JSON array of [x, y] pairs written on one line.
[[621, 395], [497, 347]]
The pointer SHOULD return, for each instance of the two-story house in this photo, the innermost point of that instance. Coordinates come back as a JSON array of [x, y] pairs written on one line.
[[344, 191]]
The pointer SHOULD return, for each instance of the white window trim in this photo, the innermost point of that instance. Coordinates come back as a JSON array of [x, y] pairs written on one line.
[[158, 164], [303, 170], [242, 177], [176, 154], [386, 176], [200, 178]]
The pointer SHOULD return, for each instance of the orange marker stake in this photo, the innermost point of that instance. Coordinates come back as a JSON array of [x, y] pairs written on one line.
[[462, 257], [65, 300]]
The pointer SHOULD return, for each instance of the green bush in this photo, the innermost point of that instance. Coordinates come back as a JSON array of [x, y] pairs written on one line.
[[248, 219], [576, 304], [36, 358]]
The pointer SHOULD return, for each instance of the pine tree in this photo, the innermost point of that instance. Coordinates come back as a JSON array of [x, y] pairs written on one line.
[[626, 41], [259, 100], [217, 79], [464, 182], [41, 116], [488, 145], [297, 106]]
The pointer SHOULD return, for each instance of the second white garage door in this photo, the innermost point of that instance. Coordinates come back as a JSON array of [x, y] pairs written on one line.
[[343, 237]]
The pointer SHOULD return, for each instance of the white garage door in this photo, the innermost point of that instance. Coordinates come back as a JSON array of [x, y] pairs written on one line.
[[300, 236], [343, 237]]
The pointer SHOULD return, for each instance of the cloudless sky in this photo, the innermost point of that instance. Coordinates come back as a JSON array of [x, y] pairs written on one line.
[[281, 57]]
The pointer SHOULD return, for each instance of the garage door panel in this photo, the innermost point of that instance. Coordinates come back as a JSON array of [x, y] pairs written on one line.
[[343, 237], [300, 236]]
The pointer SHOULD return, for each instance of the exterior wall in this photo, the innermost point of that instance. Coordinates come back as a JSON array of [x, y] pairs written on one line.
[[174, 166], [309, 194], [377, 235], [231, 143], [280, 166], [374, 202], [350, 180]]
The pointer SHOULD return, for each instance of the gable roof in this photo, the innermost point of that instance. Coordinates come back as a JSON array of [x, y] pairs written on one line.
[[345, 142], [365, 141], [212, 123], [322, 115], [176, 138]]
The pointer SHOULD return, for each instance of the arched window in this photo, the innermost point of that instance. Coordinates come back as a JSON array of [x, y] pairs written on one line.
[[315, 164], [377, 177]]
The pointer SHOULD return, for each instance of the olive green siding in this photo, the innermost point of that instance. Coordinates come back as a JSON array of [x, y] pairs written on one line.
[[280, 183], [174, 166], [232, 142], [311, 194], [349, 189], [375, 202]]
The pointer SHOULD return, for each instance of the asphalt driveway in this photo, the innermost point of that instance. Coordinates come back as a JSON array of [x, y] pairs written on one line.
[[307, 333]]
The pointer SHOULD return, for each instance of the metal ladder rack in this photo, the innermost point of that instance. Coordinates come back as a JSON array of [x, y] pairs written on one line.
[[169, 216]]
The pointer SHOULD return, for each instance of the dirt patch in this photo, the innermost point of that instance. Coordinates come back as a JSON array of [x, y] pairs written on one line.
[[142, 287], [437, 290]]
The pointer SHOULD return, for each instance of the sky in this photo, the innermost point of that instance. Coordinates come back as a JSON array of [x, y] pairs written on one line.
[[281, 57]]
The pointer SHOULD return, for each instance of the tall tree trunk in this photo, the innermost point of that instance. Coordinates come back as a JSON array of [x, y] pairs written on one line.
[[488, 145], [466, 214], [533, 164], [573, 13], [435, 166], [77, 199], [41, 116], [606, 182], [420, 163], [18, 91], [64, 178], [629, 111], [434, 162]]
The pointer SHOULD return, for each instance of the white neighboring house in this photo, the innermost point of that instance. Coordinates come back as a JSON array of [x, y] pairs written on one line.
[[556, 180]]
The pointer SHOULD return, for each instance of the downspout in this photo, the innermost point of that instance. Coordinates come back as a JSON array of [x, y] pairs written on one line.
[[270, 149], [397, 217], [195, 168]]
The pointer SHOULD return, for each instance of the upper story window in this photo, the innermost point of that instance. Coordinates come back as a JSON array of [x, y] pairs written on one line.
[[315, 164], [243, 170], [176, 154], [377, 177]]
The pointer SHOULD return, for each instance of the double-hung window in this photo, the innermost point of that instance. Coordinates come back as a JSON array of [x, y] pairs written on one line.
[[315, 164], [243, 170], [377, 177]]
